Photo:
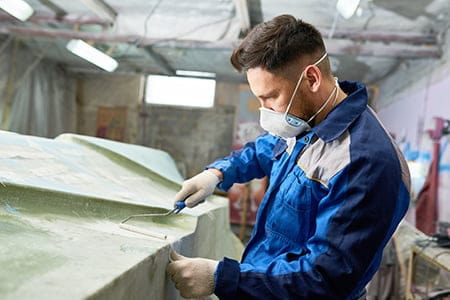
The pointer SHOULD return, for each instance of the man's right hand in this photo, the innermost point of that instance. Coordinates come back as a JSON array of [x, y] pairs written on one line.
[[196, 189]]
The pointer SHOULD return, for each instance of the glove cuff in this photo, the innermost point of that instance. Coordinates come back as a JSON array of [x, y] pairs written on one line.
[[211, 282], [207, 171]]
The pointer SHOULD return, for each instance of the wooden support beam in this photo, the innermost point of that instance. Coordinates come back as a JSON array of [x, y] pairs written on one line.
[[59, 12]]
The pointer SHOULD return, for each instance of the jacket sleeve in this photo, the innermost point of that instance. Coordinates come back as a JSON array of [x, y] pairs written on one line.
[[254, 160], [354, 221]]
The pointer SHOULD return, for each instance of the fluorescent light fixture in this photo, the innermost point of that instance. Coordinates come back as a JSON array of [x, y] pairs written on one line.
[[195, 74], [101, 9], [92, 55], [17, 8], [347, 8]]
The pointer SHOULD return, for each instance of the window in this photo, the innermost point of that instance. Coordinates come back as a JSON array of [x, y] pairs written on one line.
[[180, 91]]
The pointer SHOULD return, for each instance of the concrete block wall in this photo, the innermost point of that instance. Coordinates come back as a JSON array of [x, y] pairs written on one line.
[[98, 90], [193, 137]]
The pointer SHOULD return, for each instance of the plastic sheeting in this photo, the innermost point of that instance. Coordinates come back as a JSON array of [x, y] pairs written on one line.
[[41, 96]]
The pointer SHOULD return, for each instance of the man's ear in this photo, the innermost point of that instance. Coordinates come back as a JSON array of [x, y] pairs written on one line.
[[314, 78]]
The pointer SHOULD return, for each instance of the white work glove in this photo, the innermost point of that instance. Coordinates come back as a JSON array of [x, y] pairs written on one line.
[[193, 277], [196, 189]]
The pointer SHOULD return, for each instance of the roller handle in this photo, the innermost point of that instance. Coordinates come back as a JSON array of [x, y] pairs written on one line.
[[179, 206]]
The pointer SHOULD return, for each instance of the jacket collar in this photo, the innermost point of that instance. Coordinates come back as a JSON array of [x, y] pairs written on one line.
[[338, 120], [279, 148], [345, 113]]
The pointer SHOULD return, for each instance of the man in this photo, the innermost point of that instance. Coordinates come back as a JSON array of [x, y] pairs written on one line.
[[338, 186]]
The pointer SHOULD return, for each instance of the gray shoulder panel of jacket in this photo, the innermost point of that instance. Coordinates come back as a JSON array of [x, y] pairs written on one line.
[[321, 161]]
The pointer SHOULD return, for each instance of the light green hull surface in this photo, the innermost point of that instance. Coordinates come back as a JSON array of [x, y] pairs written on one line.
[[61, 202]]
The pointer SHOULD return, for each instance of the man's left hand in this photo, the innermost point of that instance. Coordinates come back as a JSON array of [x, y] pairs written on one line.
[[193, 277]]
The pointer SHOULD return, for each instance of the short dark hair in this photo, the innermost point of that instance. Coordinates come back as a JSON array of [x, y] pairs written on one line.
[[275, 43]]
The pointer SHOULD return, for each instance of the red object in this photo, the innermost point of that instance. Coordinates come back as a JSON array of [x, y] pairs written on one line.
[[426, 207], [427, 200], [253, 193]]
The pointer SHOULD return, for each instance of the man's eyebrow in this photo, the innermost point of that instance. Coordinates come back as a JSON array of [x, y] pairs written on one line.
[[267, 95]]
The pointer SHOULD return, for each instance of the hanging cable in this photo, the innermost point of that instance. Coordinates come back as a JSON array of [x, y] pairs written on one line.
[[137, 42]]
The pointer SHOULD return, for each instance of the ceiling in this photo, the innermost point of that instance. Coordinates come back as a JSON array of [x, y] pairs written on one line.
[[162, 36]]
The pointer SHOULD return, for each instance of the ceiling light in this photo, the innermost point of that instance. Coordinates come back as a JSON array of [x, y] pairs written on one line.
[[17, 8], [347, 8], [91, 54], [195, 74]]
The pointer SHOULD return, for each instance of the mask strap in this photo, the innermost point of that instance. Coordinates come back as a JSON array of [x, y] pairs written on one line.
[[320, 59], [337, 91], [300, 80], [333, 91]]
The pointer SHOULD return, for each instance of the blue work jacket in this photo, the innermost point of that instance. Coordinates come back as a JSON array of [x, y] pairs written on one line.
[[333, 202]]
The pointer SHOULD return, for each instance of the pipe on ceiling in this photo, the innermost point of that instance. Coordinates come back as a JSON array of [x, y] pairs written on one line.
[[390, 45]]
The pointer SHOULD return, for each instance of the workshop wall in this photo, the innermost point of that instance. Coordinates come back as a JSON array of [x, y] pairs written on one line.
[[37, 97], [109, 106], [409, 100], [193, 137]]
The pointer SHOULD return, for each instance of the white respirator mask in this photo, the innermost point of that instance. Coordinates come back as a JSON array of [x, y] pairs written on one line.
[[286, 125]]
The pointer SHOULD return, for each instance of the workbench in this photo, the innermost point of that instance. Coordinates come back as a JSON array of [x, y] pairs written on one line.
[[428, 271]]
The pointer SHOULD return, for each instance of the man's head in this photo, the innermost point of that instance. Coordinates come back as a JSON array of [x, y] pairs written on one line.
[[288, 71], [275, 44]]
